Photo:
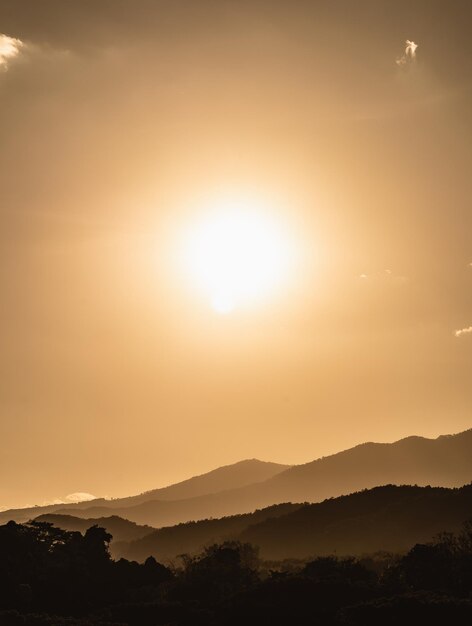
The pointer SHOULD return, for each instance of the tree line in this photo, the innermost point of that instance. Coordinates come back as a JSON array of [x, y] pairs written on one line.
[[57, 577]]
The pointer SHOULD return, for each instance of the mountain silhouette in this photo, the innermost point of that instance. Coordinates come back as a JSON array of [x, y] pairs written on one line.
[[233, 476], [168, 541], [445, 461], [389, 518], [121, 529], [442, 462], [223, 478], [250, 485]]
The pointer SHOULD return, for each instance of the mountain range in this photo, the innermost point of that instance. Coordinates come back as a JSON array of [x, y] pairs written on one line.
[[249, 485], [383, 519], [388, 519], [224, 478]]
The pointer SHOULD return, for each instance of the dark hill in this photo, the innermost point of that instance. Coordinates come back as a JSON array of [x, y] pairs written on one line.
[[120, 529], [190, 537], [390, 518]]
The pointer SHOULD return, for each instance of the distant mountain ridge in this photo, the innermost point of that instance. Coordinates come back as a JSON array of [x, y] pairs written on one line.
[[443, 462], [250, 485], [233, 476], [236, 475]]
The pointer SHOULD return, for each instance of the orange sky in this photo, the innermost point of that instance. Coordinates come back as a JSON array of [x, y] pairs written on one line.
[[117, 120]]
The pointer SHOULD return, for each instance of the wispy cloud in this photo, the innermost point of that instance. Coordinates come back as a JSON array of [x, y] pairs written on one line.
[[387, 276], [80, 496], [463, 331], [77, 496], [9, 49], [409, 54]]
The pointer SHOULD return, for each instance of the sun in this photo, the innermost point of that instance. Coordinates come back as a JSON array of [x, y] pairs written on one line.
[[237, 253]]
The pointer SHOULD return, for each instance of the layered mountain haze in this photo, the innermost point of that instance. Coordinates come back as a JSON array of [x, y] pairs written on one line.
[[159, 513], [250, 485], [445, 461], [388, 518], [239, 474], [188, 538]]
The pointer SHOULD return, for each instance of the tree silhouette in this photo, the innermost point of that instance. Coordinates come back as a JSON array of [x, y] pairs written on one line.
[[56, 577]]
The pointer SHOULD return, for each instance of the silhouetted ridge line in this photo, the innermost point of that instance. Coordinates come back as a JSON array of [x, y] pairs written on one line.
[[249, 485], [120, 529], [386, 518], [223, 478]]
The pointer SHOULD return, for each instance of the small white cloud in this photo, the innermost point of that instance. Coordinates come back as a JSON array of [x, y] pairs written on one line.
[[72, 498], [463, 331], [410, 49], [80, 496], [409, 54], [9, 49], [385, 276]]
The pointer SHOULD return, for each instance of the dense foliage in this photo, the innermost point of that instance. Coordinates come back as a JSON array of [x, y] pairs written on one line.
[[56, 577]]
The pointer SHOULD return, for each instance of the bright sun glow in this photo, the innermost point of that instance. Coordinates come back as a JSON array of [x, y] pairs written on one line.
[[237, 254]]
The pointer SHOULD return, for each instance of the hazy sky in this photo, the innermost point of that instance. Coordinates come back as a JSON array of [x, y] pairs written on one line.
[[118, 120]]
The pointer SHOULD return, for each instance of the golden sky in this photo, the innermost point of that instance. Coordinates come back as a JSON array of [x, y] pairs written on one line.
[[121, 124]]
